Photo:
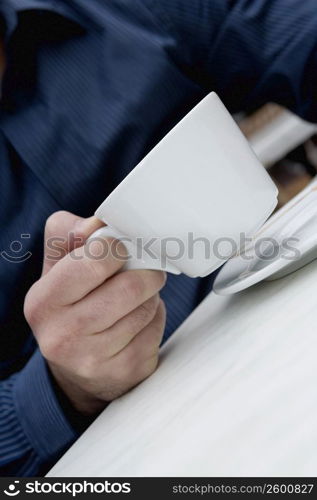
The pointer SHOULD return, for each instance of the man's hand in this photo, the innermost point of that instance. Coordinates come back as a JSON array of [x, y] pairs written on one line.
[[98, 330]]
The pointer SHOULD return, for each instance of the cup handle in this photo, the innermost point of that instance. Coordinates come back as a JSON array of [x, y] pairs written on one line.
[[134, 260]]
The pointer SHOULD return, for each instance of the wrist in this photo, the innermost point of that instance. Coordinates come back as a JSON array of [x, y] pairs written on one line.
[[77, 400]]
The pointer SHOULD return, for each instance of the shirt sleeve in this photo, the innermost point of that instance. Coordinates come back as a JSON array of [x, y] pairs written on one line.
[[249, 51], [34, 431]]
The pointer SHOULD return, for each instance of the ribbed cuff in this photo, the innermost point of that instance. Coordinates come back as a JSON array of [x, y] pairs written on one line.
[[39, 412]]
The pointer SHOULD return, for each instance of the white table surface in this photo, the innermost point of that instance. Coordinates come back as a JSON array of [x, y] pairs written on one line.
[[235, 394]]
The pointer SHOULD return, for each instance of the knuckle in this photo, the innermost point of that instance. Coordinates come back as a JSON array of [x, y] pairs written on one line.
[[98, 259], [132, 369], [162, 311], [153, 344], [148, 367], [132, 284], [47, 349], [158, 279], [97, 249], [109, 347], [162, 278], [78, 322], [34, 305], [126, 367], [93, 268], [158, 325], [54, 221], [52, 347], [30, 309], [145, 313], [107, 252], [117, 250], [58, 343]]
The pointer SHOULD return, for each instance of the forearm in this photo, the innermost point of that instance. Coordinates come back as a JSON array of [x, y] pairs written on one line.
[[33, 429]]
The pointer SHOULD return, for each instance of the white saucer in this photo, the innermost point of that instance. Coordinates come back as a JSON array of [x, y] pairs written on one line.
[[287, 242]]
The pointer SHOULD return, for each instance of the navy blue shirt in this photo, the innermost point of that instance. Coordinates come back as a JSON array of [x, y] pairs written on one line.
[[90, 87]]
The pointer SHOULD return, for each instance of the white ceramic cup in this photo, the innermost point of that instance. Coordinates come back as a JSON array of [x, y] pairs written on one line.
[[201, 182]]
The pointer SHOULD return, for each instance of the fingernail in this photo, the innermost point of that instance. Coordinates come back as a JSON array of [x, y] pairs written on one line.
[[85, 227]]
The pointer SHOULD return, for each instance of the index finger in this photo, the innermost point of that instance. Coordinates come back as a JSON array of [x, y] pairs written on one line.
[[64, 232], [83, 270]]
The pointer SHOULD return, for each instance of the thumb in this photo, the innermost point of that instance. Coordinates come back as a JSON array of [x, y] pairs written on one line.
[[64, 232]]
